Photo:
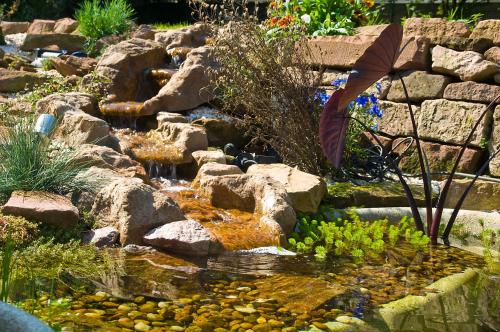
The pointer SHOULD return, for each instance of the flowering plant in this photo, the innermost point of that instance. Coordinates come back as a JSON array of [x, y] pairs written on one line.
[[320, 17], [365, 108]]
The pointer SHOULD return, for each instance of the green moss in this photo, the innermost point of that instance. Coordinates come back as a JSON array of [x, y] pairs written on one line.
[[170, 26]]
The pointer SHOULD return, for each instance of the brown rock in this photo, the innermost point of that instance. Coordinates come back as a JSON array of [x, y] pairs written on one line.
[[468, 65], [440, 157], [420, 85], [186, 237], [464, 44], [488, 29], [193, 36], [124, 64], [396, 120], [221, 131], [59, 103], [472, 92], [68, 65], [144, 31], [163, 117], [41, 26], [484, 195], [324, 51], [78, 128], [15, 81], [215, 169], [494, 144], [188, 88], [368, 141], [433, 28], [102, 237], [40, 206], [65, 25], [9, 28], [203, 157], [305, 190], [493, 55], [371, 30], [63, 41], [186, 137], [450, 121]]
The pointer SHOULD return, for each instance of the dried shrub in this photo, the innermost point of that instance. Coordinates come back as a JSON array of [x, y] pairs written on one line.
[[261, 80]]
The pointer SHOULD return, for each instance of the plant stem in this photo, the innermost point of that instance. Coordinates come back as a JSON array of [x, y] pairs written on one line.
[[444, 193], [409, 195], [461, 200], [425, 176]]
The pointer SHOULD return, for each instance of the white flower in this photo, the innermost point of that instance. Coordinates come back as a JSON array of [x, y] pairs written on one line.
[[306, 18]]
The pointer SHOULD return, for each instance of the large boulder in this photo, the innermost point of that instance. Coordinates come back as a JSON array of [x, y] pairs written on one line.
[[41, 26], [188, 88], [40, 206], [213, 156], [63, 41], [395, 120], [15, 81], [305, 190], [451, 121], [144, 31], [440, 157], [185, 237], [134, 208], [221, 130], [435, 28], [484, 195], [215, 169], [488, 29], [472, 92], [420, 85], [186, 137], [59, 103], [105, 157], [324, 51], [78, 128], [9, 28], [65, 25], [261, 195], [68, 65], [192, 36], [493, 55], [124, 64], [467, 65], [494, 143]]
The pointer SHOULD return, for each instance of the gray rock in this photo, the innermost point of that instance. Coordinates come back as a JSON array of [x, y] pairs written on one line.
[[472, 92], [396, 120], [420, 85], [102, 237]]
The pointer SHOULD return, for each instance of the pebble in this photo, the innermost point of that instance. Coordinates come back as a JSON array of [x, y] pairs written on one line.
[[141, 327], [245, 310]]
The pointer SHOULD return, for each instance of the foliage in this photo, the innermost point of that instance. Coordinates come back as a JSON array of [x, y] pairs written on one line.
[[323, 234], [47, 64], [98, 19], [320, 17], [28, 162], [16, 229], [27, 10], [170, 26]]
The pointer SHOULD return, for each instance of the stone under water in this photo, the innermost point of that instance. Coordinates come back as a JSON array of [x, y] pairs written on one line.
[[128, 108]]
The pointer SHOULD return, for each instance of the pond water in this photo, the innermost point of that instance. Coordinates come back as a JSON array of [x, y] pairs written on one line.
[[154, 291]]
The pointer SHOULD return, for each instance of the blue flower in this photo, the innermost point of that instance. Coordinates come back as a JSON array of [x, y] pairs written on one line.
[[375, 110], [373, 99], [339, 82], [362, 100], [322, 97], [378, 85], [375, 127]]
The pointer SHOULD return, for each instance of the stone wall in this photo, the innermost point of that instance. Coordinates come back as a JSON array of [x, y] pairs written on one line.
[[451, 73]]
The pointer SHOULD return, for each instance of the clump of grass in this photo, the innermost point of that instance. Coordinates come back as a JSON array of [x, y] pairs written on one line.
[[96, 20], [47, 64], [28, 162], [170, 26]]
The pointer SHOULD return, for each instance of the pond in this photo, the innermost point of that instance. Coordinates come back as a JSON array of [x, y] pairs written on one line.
[[153, 291]]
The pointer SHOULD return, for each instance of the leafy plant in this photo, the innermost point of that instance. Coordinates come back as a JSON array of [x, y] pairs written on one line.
[[28, 162], [47, 64], [335, 120], [320, 17], [322, 234], [98, 19], [170, 26]]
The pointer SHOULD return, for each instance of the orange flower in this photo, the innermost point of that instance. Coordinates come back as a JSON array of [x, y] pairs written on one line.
[[285, 21], [369, 3]]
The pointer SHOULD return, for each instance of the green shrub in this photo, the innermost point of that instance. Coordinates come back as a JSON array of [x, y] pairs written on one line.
[[320, 17], [96, 19], [28, 162]]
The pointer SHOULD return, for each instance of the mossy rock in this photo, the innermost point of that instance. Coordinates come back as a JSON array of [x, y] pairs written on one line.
[[384, 194]]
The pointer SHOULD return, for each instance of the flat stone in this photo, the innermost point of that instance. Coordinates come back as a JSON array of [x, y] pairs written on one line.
[[493, 55], [102, 237], [450, 121], [52, 209], [472, 92], [323, 51], [68, 65], [215, 169], [479, 45], [59, 103], [202, 157], [221, 131], [65, 25], [484, 195], [396, 120], [494, 143], [433, 28], [305, 190], [9, 28], [187, 237], [420, 85], [440, 157], [488, 29], [467, 65], [162, 117], [63, 41], [16, 81], [78, 128], [41, 26]]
